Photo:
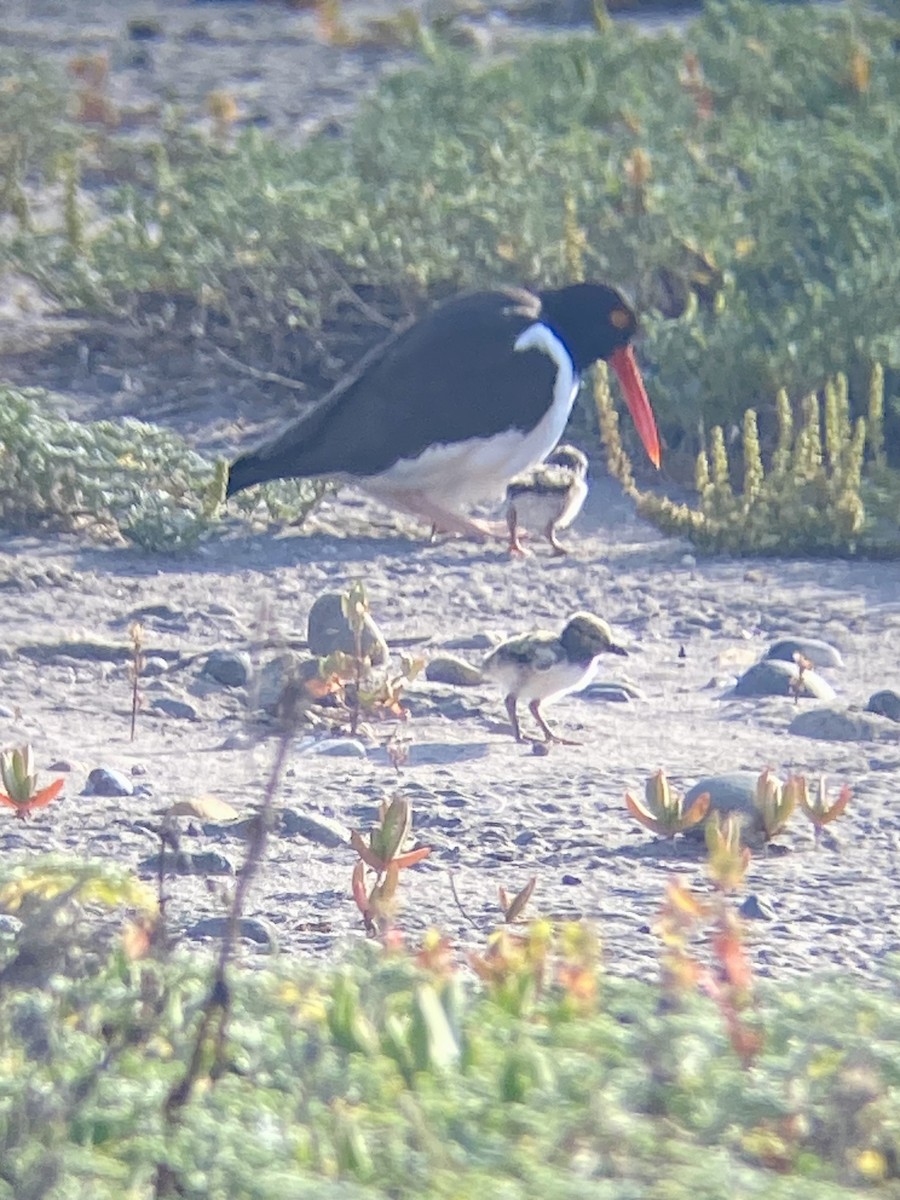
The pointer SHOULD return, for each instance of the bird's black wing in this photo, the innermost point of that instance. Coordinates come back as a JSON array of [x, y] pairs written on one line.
[[453, 375]]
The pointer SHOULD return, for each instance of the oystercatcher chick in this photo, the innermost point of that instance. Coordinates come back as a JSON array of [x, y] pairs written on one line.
[[548, 498], [539, 667], [457, 404]]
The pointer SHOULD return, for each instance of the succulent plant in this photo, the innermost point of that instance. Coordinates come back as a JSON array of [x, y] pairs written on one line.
[[663, 808], [818, 808], [20, 782]]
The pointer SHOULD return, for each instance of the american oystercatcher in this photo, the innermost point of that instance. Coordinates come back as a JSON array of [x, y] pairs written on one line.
[[548, 498], [448, 411], [539, 667]]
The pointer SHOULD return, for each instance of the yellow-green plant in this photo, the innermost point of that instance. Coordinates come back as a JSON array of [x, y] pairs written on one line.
[[817, 495], [663, 809], [383, 854], [817, 807], [773, 802], [728, 856]]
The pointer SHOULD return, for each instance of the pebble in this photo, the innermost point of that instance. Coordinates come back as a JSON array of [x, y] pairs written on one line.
[[247, 927], [472, 641], [6, 712], [886, 703], [335, 748], [819, 653], [755, 908], [433, 753], [204, 862], [170, 707], [447, 668], [228, 667], [615, 693], [154, 666], [106, 781], [844, 725], [733, 791], [319, 829], [328, 630], [772, 677]]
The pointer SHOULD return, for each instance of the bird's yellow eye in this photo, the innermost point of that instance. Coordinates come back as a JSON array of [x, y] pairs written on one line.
[[620, 318]]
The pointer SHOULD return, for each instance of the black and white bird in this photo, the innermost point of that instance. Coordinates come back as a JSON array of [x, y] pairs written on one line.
[[539, 667], [469, 396], [547, 498]]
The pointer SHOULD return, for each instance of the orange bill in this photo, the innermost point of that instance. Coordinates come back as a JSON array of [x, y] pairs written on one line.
[[625, 366]]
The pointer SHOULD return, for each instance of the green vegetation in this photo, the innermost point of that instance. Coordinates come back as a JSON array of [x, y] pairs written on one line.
[[814, 498], [398, 1076], [742, 181], [119, 479]]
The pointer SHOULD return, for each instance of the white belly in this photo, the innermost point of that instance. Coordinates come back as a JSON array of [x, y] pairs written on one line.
[[466, 473]]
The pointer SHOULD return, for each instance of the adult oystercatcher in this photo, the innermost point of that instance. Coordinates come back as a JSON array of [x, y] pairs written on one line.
[[539, 667], [547, 498], [475, 392]]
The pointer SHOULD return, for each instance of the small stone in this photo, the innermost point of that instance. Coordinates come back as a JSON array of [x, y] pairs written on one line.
[[773, 677], [168, 706], [206, 862], [610, 693], [154, 666], [106, 781], [819, 653], [321, 830], [844, 725], [329, 630], [570, 881], [248, 927], [61, 764], [434, 753], [447, 668], [756, 909], [733, 791], [142, 29], [336, 748], [886, 703], [6, 712], [472, 641], [229, 667]]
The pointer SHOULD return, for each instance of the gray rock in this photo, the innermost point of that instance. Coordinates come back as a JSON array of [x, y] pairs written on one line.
[[819, 653], [321, 830], [434, 753], [229, 667], [154, 666], [248, 927], [731, 792], [755, 908], [106, 781], [772, 677], [610, 691], [180, 862], [472, 641], [6, 712], [886, 703], [328, 630], [447, 668], [168, 706], [335, 748], [844, 725], [274, 677]]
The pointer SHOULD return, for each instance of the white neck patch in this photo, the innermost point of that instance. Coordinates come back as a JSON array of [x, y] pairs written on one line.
[[565, 388]]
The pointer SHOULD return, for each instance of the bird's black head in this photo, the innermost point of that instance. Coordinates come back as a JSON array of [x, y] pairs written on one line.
[[591, 319]]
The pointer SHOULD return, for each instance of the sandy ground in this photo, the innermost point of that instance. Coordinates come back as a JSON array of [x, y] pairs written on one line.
[[494, 813]]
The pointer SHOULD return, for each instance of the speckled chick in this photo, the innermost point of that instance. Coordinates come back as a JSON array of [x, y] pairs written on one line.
[[539, 667], [547, 498]]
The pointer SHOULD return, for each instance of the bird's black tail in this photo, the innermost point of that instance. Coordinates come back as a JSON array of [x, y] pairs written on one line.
[[247, 470]]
